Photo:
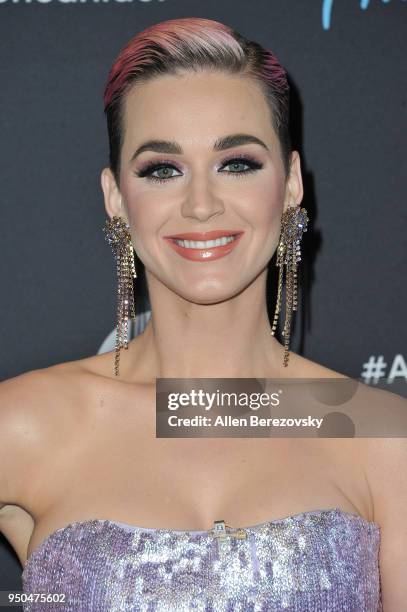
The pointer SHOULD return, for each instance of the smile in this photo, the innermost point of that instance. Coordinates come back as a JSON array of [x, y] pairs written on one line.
[[190, 244], [204, 250]]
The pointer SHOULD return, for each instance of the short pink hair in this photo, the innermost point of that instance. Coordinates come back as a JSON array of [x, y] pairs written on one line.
[[195, 44]]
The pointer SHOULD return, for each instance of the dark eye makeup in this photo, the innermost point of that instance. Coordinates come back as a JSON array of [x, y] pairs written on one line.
[[237, 160]]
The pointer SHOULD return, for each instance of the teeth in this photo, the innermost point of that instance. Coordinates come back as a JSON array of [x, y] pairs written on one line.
[[192, 244]]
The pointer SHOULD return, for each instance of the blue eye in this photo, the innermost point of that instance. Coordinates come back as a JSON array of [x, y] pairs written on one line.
[[242, 161], [147, 171]]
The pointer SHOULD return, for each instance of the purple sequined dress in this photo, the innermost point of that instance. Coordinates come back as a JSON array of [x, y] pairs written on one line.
[[316, 561]]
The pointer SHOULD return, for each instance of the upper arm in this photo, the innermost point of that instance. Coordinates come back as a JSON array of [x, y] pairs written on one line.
[[23, 401], [387, 475]]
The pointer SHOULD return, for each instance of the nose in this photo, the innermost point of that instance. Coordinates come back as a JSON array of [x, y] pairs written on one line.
[[201, 203]]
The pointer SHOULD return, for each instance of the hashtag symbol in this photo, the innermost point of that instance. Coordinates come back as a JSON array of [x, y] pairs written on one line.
[[373, 370]]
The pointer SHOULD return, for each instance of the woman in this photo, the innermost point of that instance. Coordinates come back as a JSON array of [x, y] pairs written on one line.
[[198, 130]]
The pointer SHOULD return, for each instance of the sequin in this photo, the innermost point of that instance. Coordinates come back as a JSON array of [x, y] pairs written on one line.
[[316, 561]]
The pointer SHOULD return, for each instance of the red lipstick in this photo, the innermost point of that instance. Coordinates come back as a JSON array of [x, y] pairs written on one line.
[[208, 253]]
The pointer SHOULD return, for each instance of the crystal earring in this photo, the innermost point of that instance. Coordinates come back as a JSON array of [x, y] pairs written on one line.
[[293, 224], [118, 236]]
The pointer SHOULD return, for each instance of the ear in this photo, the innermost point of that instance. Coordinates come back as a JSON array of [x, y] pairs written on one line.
[[113, 200], [294, 187]]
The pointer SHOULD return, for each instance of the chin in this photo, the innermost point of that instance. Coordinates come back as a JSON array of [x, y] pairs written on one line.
[[210, 294]]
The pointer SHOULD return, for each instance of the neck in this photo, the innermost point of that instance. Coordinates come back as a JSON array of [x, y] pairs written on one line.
[[229, 339]]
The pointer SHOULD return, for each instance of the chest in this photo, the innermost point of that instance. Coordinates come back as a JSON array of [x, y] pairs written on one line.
[[119, 469]]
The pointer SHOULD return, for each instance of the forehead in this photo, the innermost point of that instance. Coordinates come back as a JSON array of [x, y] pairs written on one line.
[[195, 108]]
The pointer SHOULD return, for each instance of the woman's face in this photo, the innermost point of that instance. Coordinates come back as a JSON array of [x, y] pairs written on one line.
[[192, 186]]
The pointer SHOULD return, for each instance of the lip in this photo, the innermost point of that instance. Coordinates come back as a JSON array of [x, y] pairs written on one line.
[[206, 254], [204, 235]]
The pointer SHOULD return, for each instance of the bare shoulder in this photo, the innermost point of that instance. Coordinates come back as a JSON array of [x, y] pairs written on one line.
[[386, 457], [36, 413], [306, 368], [386, 474], [384, 468], [386, 471]]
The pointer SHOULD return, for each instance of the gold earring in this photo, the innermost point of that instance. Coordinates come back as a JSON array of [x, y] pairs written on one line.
[[118, 236], [293, 224]]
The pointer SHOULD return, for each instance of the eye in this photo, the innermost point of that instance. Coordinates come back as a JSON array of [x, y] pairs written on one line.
[[148, 171], [243, 160], [165, 167]]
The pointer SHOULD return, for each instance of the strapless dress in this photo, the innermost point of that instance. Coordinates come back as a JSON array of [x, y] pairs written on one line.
[[315, 561]]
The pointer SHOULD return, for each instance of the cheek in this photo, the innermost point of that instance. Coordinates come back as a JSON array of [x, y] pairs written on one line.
[[146, 218], [264, 203], [141, 210], [265, 217]]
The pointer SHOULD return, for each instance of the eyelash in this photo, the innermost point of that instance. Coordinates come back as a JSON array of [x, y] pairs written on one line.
[[147, 171]]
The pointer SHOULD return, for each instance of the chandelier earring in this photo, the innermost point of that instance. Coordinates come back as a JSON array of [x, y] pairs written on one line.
[[293, 224], [117, 234]]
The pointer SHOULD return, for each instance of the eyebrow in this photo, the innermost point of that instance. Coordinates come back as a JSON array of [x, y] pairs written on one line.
[[225, 142]]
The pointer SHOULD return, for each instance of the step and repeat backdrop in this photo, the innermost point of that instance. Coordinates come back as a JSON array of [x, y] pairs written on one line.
[[346, 67]]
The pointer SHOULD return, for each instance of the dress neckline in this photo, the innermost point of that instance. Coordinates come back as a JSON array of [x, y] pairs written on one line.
[[187, 532]]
